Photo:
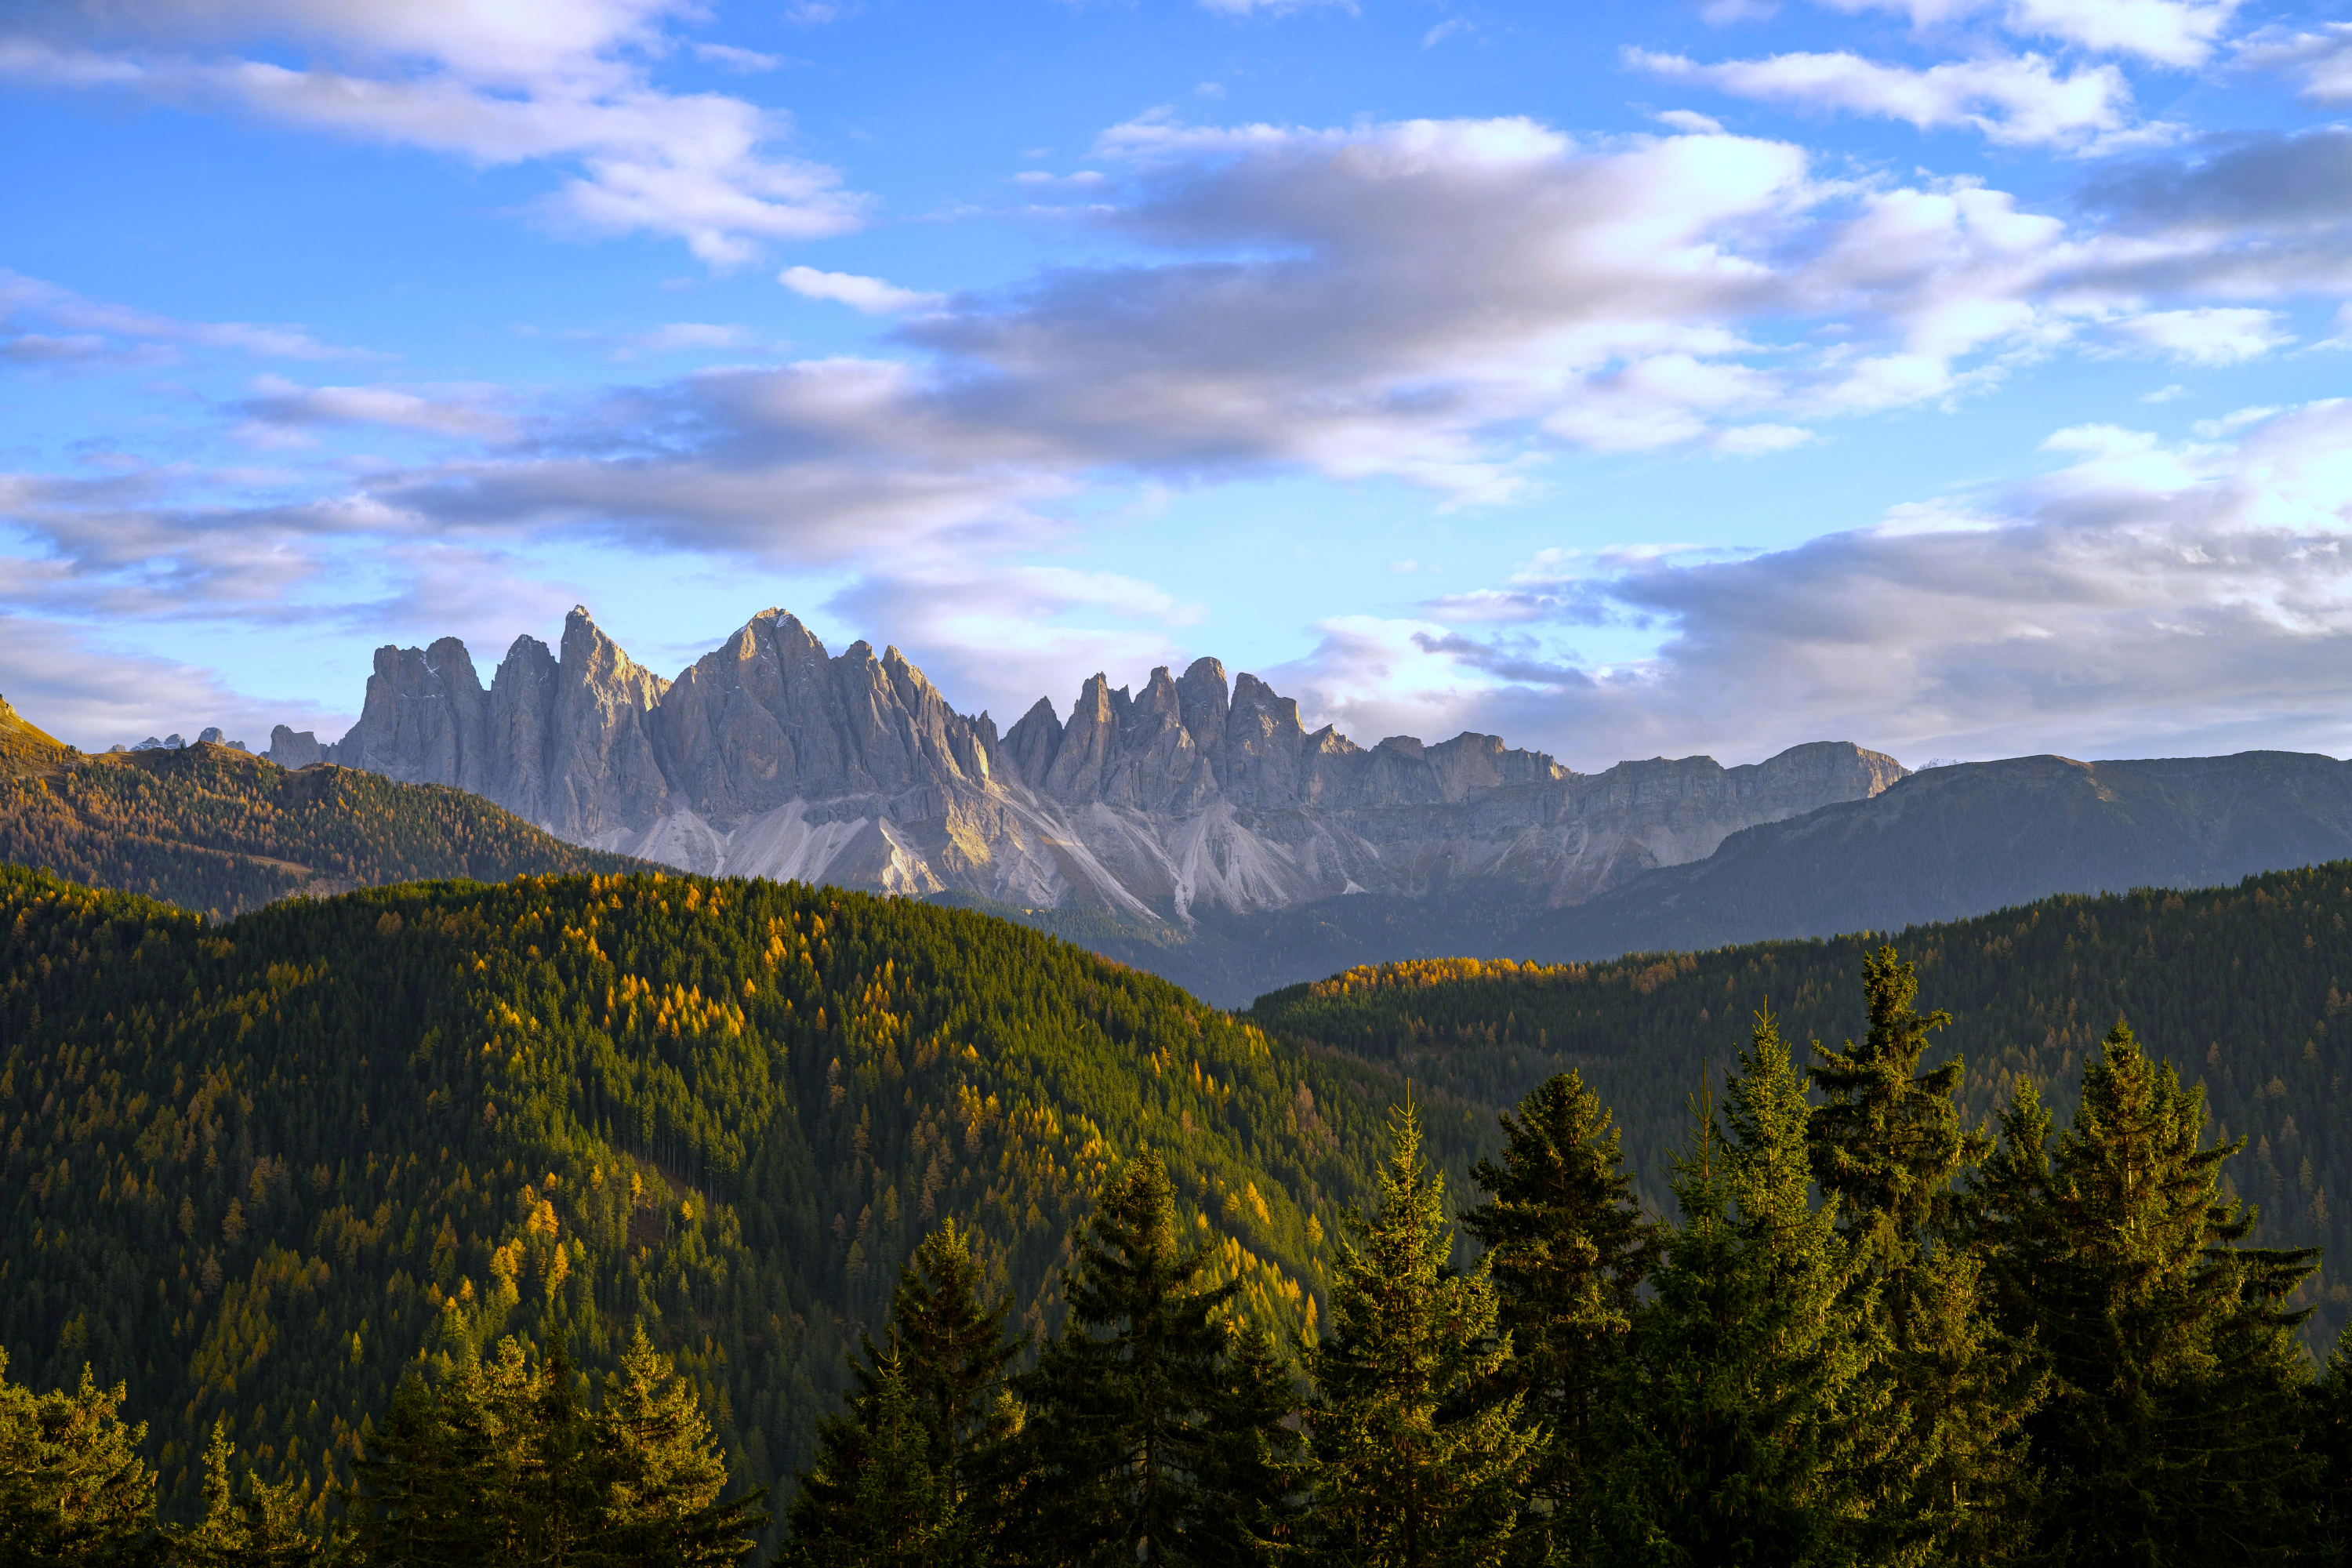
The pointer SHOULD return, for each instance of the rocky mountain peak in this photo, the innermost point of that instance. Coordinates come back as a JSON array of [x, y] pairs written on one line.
[[770, 756]]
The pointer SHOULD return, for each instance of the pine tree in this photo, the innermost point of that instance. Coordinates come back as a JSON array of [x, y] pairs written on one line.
[[2169, 1436], [1887, 1144], [1567, 1248], [72, 1485], [1131, 1409], [1420, 1459], [1752, 1411]]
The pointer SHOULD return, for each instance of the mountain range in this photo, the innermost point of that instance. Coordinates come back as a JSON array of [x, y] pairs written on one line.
[[769, 756]]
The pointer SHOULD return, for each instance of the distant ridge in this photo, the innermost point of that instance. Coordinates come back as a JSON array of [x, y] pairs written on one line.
[[217, 830], [26, 750], [1957, 841]]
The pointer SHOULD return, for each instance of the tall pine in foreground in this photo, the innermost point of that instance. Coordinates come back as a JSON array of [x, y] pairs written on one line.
[[2171, 1435], [1567, 1247], [1422, 1459], [1753, 1412], [1887, 1144], [1149, 1409], [896, 1474]]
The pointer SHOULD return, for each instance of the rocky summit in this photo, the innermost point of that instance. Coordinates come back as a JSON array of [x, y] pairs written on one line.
[[772, 757]]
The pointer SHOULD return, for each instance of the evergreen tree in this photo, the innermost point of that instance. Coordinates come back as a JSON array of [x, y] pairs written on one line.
[[498, 1462], [1887, 1144], [1752, 1415], [2169, 1435], [936, 1383], [1133, 1413], [1255, 1474], [1422, 1458], [2327, 1421], [262, 1528], [1567, 1248], [661, 1482], [73, 1489]]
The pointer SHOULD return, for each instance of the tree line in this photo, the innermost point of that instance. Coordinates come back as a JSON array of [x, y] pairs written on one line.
[[246, 1167], [217, 831], [2245, 990], [498, 1459], [1866, 1336]]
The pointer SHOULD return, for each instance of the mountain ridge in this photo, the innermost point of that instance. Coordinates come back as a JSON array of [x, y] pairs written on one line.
[[770, 756]]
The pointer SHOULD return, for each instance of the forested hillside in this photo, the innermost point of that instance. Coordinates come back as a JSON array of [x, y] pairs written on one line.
[[24, 747], [2247, 990], [255, 1168], [212, 829]]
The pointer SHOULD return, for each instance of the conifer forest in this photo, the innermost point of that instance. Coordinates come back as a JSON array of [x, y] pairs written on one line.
[[627, 1218]]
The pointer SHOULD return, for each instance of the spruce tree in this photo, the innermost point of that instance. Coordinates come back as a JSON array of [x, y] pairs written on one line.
[[1567, 1247], [1422, 1459], [660, 1482], [937, 1382], [261, 1528], [1753, 1411], [1133, 1414], [1887, 1144], [2170, 1434], [496, 1461], [72, 1485]]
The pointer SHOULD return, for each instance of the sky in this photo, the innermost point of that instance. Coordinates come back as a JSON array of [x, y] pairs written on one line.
[[1962, 378]]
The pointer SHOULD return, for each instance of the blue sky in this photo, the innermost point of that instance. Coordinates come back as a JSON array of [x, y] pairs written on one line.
[[1958, 377]]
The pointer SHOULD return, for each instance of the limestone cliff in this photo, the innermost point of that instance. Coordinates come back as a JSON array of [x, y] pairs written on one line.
[[769, 756]]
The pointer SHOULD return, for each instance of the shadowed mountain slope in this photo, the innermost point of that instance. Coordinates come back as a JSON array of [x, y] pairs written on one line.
[[213, 829], [1958, 841]]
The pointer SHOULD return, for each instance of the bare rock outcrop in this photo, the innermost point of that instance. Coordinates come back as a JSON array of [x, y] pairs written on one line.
[[770, 756]]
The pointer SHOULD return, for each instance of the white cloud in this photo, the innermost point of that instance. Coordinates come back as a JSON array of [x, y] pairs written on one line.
[[97, 331], [1690, 122], [1274, 7], [870, 295], [2210, 335], [279, 405], [2167, 32], [728, 56], [2145, 599], [2019, 100], [677, 337], [493, 84], [2322, 59]]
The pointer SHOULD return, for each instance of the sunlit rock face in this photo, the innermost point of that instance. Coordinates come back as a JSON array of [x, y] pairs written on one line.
[[772, 757]]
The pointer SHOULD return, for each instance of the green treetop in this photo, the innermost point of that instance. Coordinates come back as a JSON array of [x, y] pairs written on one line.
[[896, 1473], [1422, 1457], [2167, 1437], [1753, 1412], [72, 1485], [1887, 1144], [1567, 1248], [1134, 1413]]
